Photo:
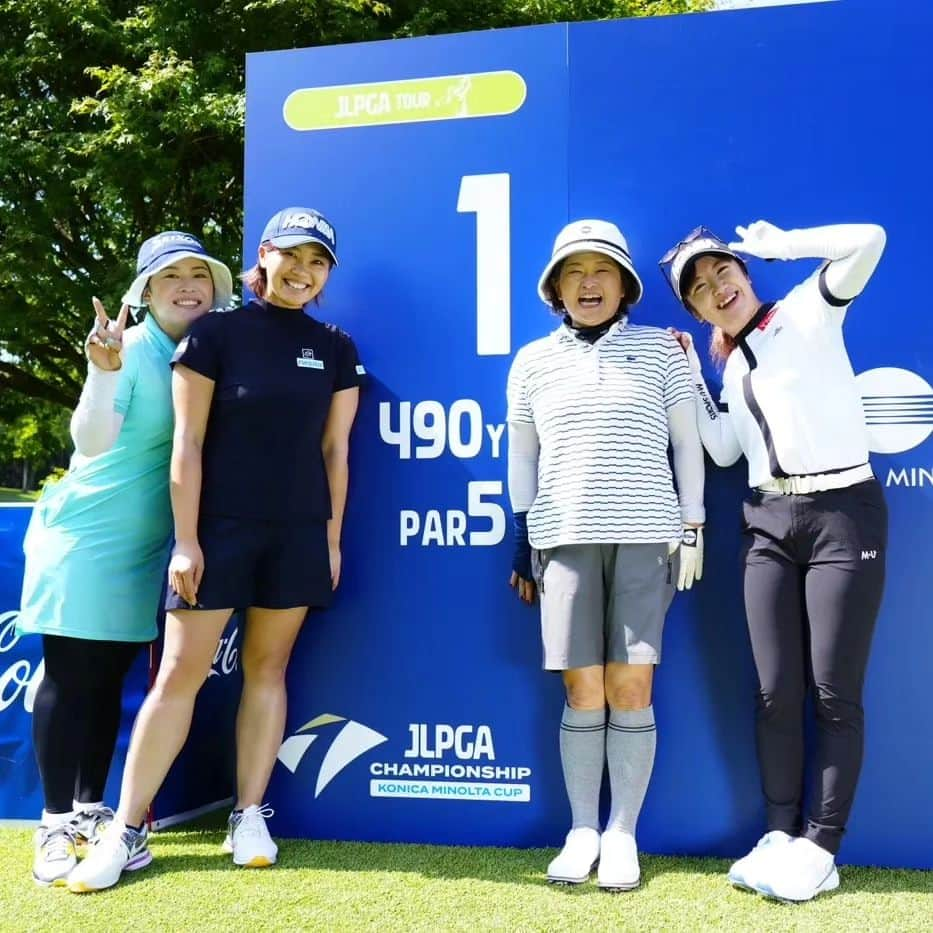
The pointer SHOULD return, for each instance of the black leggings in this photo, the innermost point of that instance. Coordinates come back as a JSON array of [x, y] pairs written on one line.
[[814, 575], [76, 716]]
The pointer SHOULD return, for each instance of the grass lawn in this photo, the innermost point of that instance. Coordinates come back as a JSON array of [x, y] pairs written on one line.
[[14, 495], [353, 886]]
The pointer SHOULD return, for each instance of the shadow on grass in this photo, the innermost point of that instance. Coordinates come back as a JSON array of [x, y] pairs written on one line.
[[512, 866]]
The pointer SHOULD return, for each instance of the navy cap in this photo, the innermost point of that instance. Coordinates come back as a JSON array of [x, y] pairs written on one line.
[[296, 225], [162, 250]]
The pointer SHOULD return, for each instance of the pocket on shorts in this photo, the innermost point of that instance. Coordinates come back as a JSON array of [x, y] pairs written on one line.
[[539, 561]]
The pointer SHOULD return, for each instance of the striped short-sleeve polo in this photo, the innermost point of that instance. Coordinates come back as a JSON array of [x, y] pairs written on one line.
[[601, 414]]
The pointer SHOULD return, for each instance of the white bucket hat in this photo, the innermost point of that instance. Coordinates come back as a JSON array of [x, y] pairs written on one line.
[[591, 236], [162, 250]]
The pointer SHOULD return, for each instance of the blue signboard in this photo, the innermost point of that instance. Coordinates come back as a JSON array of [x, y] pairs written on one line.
[[417, 710]]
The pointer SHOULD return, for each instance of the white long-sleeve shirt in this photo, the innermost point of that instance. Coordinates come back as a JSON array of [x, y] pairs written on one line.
[[790, 401]]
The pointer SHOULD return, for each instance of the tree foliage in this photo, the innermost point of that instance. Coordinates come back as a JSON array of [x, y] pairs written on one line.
[[124, 117]]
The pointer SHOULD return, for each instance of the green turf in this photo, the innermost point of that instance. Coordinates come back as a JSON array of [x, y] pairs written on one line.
[[353, 886], [14, 495]]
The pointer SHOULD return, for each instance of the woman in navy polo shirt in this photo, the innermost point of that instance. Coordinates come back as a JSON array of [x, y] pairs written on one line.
[[815, 525], [265, 397]]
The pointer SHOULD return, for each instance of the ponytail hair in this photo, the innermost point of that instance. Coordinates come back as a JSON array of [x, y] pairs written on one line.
[[720, 346]]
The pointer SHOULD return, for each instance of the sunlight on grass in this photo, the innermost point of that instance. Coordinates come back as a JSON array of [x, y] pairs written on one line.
[[349, 886]]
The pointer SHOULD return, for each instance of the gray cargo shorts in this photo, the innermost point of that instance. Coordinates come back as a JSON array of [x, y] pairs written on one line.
[[603, 603]]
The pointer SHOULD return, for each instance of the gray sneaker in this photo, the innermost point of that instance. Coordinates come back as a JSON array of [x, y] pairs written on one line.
[[90, 823], [118, 849], [55, 855]]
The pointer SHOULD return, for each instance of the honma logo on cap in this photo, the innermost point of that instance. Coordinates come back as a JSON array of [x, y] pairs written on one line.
[[302, 220]]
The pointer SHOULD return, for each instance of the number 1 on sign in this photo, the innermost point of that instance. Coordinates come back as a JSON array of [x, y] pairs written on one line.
[[488, 197]]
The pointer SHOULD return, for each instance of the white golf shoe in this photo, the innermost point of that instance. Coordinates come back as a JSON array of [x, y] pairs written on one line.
[[576, 859], [744, 872], [248, 838], [618, 862]]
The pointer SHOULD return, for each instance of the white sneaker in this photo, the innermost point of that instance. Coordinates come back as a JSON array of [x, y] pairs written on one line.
[[118, 849], [744, 872], [89, 824], [248, 838], [577, 858], [801, 872], [618, 861], [55, 856]]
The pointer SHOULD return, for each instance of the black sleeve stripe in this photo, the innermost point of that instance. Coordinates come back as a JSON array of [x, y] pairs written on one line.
[[828, 296]]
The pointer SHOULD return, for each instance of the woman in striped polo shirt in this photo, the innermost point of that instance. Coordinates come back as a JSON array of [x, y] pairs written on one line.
[[815, 524], [592, 410]]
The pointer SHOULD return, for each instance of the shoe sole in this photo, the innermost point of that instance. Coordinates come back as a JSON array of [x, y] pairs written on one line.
[[564, 880], [617, 888], [741, 883], [257, 861], [61, 882], [829, 883], [138, 861]]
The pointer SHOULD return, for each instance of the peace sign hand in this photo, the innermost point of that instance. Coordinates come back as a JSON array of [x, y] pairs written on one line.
[[105, 341]]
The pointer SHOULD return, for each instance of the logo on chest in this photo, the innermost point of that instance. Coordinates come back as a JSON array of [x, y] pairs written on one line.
[[307, 360]]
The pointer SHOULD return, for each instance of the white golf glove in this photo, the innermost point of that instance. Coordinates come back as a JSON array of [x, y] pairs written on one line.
[[765, 241], [691, 557]]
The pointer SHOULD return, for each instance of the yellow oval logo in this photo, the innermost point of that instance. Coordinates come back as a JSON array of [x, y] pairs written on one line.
[[419, 100]]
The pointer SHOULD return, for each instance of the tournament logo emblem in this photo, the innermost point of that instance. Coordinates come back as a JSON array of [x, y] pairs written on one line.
[[353, 740]]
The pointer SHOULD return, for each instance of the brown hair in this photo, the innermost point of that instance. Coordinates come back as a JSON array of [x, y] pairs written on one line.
[[721, 345], [256, 281]]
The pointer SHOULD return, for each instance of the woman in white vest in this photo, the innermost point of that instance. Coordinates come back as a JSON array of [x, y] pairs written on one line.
[[815, 524], [593, 409]]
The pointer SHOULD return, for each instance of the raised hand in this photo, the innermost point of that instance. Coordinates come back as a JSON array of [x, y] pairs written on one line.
[[686, 344], [105, 341], [763, 240]]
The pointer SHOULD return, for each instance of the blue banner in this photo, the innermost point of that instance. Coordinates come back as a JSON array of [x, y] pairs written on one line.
[[203, 773], [417, 709]]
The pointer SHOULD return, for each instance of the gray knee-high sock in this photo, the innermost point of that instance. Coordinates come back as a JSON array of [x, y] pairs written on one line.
[[583, 756], [630, 743]]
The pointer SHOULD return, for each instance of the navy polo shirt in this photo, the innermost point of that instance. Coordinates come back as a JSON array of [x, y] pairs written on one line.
[[274, 372]]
